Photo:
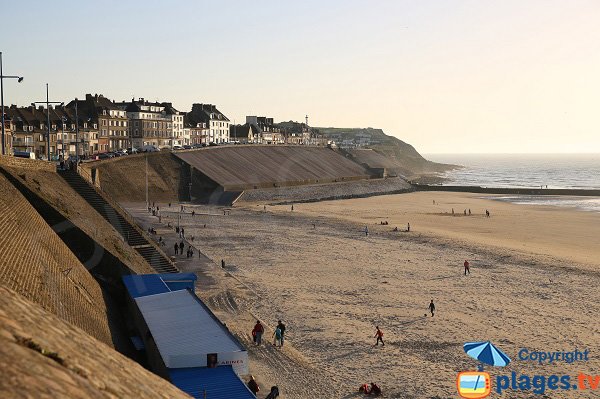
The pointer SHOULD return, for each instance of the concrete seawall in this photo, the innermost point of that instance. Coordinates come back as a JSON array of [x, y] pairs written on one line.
[[508, 190]]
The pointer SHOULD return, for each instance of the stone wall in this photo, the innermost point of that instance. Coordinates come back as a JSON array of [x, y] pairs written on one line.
[[41, 356], [26, 163], [38, 265]]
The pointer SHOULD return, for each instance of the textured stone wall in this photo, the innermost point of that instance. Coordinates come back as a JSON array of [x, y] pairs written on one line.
[[38, 265], [41, 356], [25, 163]]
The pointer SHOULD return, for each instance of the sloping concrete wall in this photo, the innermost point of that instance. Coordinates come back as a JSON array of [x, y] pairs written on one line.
[[247, 167], [36, 263]]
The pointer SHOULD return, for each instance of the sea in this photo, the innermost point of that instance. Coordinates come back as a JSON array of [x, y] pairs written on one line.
[[566, 171]]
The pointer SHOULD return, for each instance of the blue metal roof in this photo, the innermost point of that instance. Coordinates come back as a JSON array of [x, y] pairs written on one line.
[[152, 284], [218, 383]]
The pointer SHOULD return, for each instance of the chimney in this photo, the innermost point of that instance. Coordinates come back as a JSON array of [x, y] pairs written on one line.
[[41, 108]]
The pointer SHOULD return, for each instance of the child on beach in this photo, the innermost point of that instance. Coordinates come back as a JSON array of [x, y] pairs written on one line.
[[379, 336], [277, 337], [431, 307], [281, 326]]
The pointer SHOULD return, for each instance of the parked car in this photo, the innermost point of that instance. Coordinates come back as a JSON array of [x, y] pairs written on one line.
[[148, 148], [177, 147], [105, 155], [132, 150], [187, 147]]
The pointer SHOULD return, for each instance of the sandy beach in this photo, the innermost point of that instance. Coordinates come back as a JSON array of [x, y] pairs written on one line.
[[533, 272]]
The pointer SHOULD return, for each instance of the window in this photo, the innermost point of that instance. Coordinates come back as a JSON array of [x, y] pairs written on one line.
[[95, 126]]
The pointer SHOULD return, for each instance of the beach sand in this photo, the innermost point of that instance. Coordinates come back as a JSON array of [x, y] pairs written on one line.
[[533, 284]]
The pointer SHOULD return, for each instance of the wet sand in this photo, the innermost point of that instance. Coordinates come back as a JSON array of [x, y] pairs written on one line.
[[533, 284]]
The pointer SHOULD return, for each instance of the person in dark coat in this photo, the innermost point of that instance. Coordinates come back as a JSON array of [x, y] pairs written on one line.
[[253, 385]]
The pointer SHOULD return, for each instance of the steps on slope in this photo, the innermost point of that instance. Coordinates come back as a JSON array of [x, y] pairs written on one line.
[[127, 230]]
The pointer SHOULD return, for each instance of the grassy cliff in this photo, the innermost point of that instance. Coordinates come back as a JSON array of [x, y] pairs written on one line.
[[407, 160]]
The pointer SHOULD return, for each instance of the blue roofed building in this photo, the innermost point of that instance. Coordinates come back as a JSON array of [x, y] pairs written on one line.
[[183, 340], [210, 383]]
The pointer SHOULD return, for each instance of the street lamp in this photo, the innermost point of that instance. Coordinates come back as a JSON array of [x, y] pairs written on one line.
[[2, 77], [47, 102]]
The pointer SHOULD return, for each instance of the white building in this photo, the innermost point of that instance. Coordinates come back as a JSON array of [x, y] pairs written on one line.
[[217, 123]]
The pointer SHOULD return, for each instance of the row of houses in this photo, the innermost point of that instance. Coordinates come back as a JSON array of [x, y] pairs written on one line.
[[96, 125]]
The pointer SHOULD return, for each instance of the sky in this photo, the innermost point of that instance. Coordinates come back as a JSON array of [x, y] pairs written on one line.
[[445, 76]]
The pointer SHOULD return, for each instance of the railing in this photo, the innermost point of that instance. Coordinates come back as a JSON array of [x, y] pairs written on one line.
[[86, 175]]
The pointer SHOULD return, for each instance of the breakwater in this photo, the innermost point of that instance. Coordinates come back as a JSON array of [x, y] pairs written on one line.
[[508, 190]]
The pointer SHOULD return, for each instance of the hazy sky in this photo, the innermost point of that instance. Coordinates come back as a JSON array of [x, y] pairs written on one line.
[[445, 76]]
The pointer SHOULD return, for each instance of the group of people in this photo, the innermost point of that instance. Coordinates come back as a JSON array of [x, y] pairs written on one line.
[[278, 333], [372, 389]]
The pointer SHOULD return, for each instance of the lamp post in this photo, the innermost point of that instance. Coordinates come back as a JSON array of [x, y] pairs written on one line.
[[76, 135], [47, 102], [62, 146], [2, 77]]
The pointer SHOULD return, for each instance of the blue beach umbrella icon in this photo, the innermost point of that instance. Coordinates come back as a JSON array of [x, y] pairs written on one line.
[[486, 352]]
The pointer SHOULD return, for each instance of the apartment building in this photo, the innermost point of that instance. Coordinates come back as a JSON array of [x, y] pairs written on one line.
[[216, 122], [150, 123], [103, 125]]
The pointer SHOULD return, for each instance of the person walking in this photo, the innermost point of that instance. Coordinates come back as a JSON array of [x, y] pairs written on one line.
[[281, 326], [366, 231], [253, 385], [431, 308], [257, 332], [274, 394], [467, 269], [408, 227], [223, 263], [379, 336], [176, 248], [181, 245], [182, 233]]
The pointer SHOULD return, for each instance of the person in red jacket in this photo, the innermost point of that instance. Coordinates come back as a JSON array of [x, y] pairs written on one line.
[[467, 270], [379, 336], [257, 332]]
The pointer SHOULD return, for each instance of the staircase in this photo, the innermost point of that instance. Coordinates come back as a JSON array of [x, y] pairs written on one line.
[[127, 230]]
